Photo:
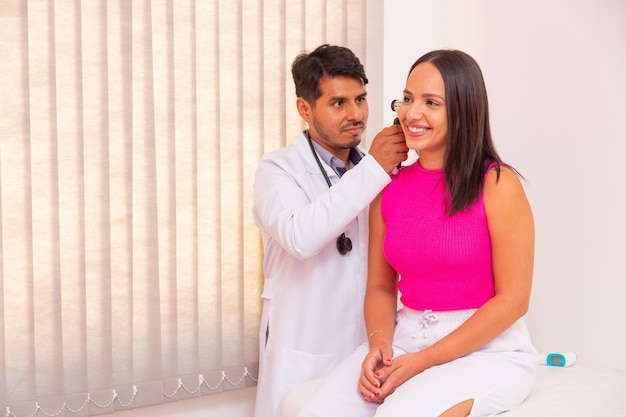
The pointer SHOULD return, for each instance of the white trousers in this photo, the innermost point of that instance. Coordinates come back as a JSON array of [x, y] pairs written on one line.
[[497, 377]]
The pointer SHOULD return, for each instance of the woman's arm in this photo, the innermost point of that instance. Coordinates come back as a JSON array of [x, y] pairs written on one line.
[[511, 229], [381, 297]]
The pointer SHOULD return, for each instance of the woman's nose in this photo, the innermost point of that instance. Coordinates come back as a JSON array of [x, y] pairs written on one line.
[[415, 111]]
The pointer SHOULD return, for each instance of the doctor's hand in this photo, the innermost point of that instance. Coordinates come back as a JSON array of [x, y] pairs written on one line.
[[389, 147], [371, 380]]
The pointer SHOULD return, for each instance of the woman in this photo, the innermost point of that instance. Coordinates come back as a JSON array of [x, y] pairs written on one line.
[[454, 233]]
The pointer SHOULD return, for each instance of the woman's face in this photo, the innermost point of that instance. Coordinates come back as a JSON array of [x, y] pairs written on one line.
[[423, 114]]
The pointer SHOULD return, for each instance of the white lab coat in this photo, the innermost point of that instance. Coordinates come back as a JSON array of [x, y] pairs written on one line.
[[312, 296]]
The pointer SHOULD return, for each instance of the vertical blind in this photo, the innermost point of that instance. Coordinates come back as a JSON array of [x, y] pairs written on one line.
[[130, 266]]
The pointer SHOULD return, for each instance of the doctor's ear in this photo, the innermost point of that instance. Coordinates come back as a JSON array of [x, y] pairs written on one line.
[[304, 109]]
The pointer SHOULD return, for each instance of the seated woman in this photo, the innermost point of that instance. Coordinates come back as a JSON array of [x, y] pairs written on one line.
[[456, 226]]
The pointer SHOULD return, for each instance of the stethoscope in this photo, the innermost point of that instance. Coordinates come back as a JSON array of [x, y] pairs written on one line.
[[344, 244]]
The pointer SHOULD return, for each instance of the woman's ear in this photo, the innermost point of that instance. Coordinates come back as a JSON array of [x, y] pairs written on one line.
[[304, 109]]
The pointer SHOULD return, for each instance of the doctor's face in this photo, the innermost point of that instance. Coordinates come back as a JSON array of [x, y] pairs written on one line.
[[338, 118]]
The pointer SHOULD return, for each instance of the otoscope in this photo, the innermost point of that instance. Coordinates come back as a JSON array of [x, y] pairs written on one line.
[[395, 105]]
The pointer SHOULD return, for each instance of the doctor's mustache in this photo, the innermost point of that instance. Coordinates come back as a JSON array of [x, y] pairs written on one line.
[[352, 125]]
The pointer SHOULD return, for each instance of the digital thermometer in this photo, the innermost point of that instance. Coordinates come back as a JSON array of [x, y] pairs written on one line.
[[561, 359]]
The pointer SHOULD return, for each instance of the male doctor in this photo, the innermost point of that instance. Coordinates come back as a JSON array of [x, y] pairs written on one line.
[[311, 203]]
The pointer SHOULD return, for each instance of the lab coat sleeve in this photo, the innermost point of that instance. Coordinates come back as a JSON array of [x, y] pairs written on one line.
[[294, 206]]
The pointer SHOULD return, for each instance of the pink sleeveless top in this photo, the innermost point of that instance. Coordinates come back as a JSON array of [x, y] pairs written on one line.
[[444, 262]]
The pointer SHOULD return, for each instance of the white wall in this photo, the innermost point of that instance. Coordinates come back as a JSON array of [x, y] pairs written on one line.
[[556, 76]]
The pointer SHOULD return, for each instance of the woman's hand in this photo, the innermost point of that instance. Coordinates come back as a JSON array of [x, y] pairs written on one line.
[[378, 358], [403, 368], [380, 377]]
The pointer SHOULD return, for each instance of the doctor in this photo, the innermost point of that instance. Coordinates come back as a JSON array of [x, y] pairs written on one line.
[[311, 203]]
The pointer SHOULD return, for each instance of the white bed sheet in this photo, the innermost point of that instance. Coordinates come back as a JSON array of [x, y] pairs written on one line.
[[577, 391]]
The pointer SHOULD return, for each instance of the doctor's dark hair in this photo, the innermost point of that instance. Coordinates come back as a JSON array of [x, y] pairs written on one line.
[[470, 151], [308, 69]]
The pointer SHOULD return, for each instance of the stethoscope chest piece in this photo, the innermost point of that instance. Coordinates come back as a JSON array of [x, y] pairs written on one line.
[[344, 244]]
